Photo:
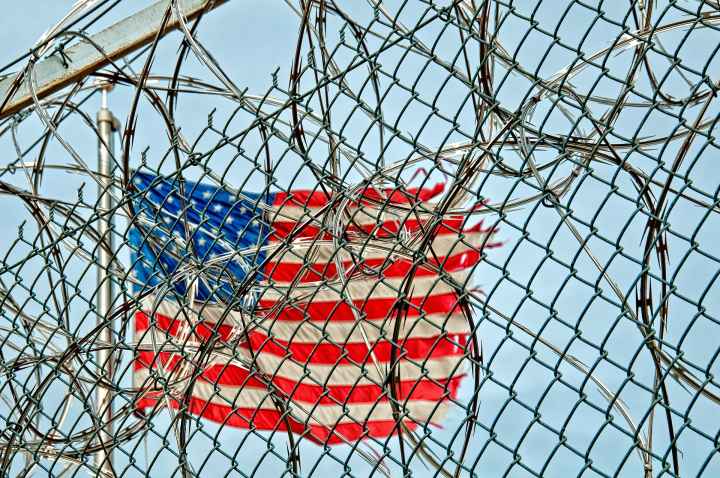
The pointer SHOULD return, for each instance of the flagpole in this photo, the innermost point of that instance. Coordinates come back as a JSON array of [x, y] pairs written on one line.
[[107, 125]]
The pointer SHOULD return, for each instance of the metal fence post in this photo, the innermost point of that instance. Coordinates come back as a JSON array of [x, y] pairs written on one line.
[[106, 124]]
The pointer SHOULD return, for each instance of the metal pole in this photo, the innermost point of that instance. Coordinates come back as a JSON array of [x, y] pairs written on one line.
[[106, 124]]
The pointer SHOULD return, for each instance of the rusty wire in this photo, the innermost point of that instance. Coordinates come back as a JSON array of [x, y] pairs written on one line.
[[584, 133]]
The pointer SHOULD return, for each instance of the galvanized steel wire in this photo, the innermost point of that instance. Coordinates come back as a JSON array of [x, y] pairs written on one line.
[[584, 132]]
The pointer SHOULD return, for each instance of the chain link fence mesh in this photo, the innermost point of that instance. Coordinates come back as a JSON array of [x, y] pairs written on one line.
[[577, 136]]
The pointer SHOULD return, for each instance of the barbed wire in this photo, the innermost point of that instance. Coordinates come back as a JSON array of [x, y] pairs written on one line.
[[571, 143]]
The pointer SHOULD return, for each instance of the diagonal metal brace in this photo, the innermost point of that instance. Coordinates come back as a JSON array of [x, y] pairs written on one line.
[[84, 58]]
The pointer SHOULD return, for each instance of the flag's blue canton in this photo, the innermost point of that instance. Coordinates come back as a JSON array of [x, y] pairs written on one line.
[[221, 225]]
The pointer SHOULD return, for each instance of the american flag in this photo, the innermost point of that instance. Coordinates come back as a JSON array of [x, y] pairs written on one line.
[[295, 310]]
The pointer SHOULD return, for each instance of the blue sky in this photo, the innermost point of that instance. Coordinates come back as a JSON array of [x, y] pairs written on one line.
[[571, 303]]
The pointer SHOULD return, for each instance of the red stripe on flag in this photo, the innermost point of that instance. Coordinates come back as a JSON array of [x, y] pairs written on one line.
[[387, 268], [416, 349], [308, 393], [307, 198], [263, 419], [326, 352], [370, 309], [386, 229]]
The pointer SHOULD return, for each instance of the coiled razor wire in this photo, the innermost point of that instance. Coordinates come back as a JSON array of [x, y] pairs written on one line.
[[587, 130]]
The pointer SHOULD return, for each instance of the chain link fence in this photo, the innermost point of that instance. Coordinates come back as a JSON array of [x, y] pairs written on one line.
[[249, 282]]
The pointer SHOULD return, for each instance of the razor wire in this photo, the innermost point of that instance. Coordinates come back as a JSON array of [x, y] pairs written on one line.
[[581, 132]]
